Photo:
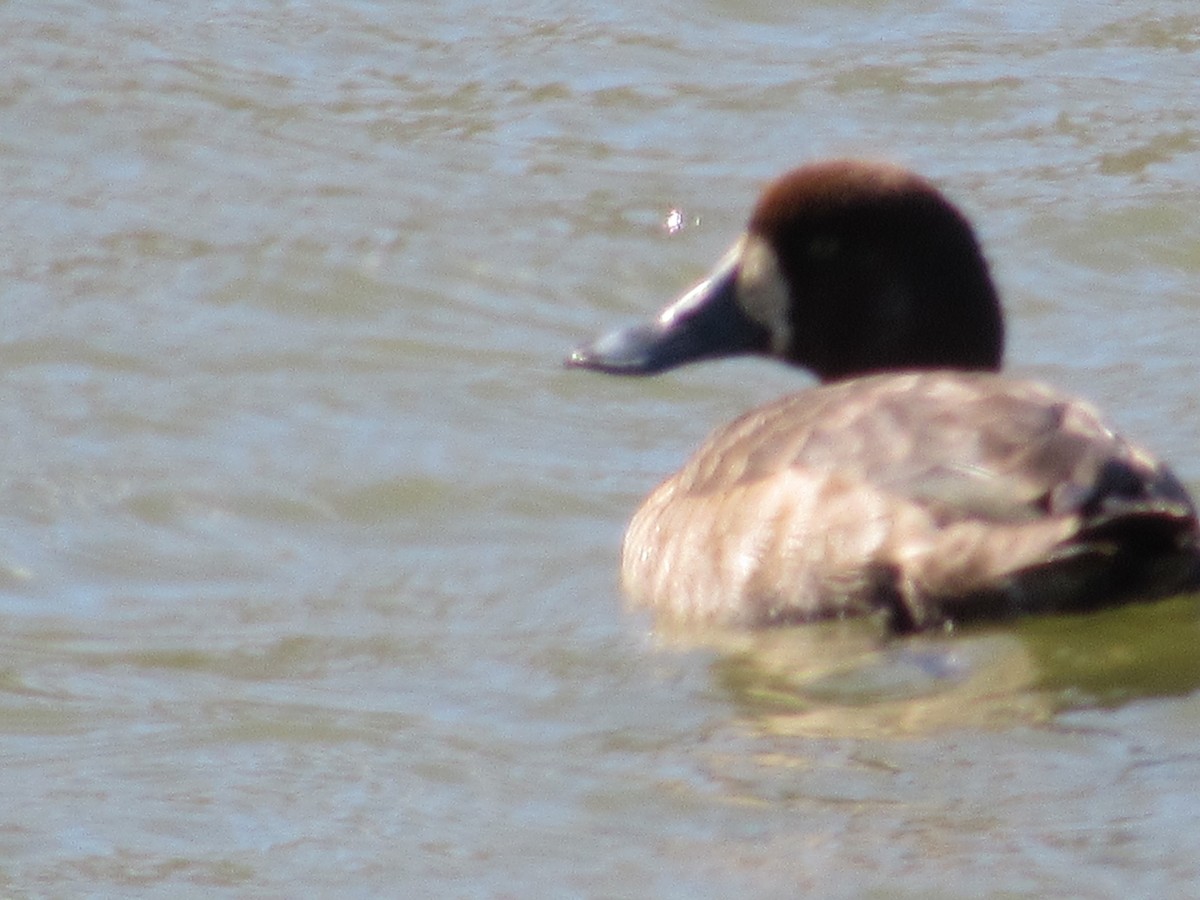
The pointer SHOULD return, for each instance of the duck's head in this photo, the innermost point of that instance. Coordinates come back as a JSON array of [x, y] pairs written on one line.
[[845, 268]]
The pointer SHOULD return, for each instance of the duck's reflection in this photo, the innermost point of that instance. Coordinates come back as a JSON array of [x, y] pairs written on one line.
[[852, 679]]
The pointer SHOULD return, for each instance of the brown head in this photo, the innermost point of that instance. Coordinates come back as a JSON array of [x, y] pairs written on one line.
[[846, 267]]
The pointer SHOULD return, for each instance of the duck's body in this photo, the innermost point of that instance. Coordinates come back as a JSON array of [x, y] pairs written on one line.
[[906, 484], [931, 496]]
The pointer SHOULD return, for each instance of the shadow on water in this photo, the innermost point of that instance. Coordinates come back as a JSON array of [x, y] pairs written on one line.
[[848, 679]]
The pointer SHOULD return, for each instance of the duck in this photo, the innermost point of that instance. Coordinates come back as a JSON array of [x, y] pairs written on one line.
[[914, 482]]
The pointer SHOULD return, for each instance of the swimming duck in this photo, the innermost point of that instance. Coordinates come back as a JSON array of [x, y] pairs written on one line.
[[915, 482]]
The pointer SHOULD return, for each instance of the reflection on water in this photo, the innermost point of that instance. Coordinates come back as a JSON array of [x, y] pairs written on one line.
[[1116, 656], [836, 684], [848, 679]]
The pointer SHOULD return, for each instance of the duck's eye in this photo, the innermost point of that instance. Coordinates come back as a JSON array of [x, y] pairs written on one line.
[[824, 247]]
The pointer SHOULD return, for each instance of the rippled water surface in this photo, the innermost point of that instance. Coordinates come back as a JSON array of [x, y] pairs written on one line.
[[308, 544]]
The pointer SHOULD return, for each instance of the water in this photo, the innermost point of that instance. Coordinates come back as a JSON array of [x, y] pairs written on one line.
[[307, 576]]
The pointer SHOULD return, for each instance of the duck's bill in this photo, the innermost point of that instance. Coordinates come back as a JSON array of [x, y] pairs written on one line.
[[705, 322]]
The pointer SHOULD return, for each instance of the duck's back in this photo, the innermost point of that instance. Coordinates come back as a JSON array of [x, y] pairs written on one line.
[[928, 495]]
